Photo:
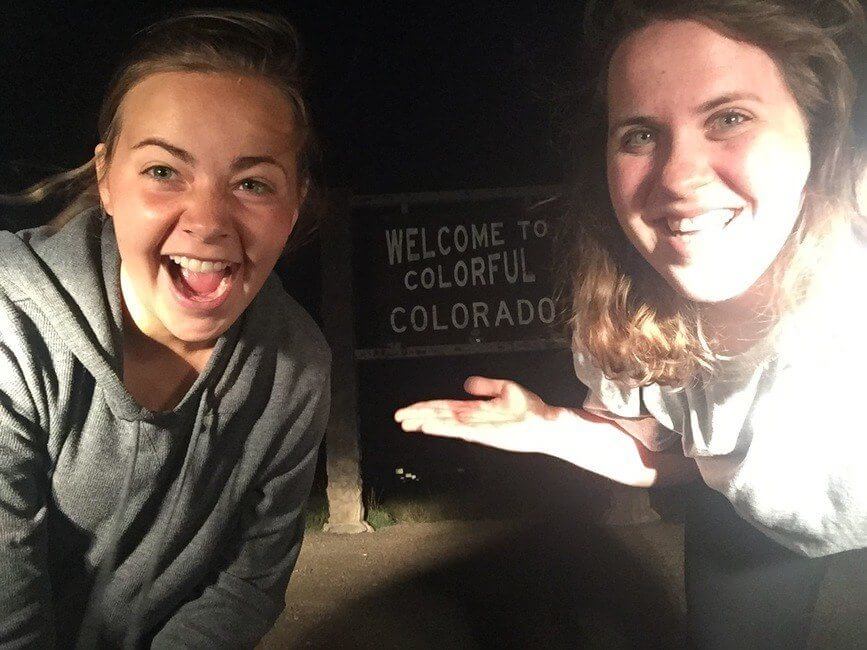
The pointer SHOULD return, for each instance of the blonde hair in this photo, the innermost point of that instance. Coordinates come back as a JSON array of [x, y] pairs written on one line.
[[243, 42], [623, 313]]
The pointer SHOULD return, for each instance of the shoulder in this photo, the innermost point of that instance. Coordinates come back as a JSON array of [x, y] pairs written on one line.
[[277, 320], [617, 397], [11, 247], [32, 357], [832, 315]]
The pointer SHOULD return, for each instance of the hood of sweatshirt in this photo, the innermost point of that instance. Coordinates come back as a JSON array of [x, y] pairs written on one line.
[[81, 295]]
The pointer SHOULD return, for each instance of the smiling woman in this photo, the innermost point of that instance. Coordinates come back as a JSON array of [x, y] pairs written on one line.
[[714, 261], [162, 399]]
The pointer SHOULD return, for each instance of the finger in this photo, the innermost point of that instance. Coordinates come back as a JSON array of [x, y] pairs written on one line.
[[490, 410], [434, 426], [444, 429], [490, 435], [484, 386], [435, 408]]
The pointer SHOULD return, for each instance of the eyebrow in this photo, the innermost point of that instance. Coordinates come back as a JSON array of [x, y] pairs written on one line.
[[177, 152], [646, 120], [238, 164], [246, 162], [725, 99], [635, 120]]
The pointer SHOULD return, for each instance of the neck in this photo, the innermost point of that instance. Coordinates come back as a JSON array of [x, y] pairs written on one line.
[[737, 324], [143, 347], [146, 335], [157, 375]]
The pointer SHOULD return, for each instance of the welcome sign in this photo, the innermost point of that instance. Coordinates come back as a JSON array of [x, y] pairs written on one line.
[[453, 272]]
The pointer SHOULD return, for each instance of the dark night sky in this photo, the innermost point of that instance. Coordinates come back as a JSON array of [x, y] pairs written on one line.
[[408, 96]]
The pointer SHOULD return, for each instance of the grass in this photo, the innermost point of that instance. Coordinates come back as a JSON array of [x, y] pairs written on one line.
[[407, 508], [506, 491], [380, 518], [317, 513]]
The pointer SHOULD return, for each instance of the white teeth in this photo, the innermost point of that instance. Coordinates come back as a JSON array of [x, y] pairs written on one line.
[[706, 221], [198, 266]]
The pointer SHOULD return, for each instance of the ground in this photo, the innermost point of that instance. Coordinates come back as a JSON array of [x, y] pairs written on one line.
[[519, 583]]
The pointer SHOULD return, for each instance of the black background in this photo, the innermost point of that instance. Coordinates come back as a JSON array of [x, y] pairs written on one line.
[[408, 96]]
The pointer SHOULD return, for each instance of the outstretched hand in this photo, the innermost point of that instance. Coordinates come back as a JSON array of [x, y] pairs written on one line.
[[508, 419]]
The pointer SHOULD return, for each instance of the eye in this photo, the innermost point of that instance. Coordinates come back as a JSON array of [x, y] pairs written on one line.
[[637, 140], [160, 173], [727, 121], [255, 187]]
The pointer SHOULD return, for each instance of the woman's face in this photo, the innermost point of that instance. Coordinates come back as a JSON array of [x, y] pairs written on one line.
[[707, 157], [203, 190]]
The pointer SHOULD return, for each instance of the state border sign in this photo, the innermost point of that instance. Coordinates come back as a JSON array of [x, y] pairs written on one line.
[[454, 273]]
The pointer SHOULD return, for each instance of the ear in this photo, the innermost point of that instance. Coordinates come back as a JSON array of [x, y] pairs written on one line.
[[101, 165]]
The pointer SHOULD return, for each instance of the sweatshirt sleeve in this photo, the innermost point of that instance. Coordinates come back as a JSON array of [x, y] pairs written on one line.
[[246, 594], [26, 611]]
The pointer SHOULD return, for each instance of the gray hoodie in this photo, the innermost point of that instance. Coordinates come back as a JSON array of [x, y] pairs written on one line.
[[121, 526]]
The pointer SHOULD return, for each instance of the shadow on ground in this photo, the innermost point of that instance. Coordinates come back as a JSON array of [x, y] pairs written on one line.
[[529, 585]]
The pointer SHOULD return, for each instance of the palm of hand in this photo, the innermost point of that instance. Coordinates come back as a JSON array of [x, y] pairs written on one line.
[[507, 420]]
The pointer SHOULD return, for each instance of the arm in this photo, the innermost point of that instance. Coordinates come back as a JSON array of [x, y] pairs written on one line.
[[613, 447], [246, 593], [26, 613], [515, 419]]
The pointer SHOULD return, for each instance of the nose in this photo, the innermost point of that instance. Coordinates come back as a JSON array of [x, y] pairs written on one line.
[[207, 217], [684, 167]]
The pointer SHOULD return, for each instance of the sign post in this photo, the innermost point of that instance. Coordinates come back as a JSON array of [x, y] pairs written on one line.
[[342, 462]]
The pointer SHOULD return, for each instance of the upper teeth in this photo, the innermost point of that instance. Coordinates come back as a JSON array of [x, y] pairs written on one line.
[[711, 219], [197, 266]]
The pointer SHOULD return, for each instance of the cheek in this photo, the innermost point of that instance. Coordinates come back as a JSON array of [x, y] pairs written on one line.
[[142, 220], [625, 176], [140, 205], [265, 234], [773, 170]]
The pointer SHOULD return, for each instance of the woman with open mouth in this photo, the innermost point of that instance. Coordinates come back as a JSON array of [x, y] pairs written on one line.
[[162, 399], [716, 266]]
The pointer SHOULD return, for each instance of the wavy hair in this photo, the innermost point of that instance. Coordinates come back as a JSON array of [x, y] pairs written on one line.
[[632, 324], [215, 41]]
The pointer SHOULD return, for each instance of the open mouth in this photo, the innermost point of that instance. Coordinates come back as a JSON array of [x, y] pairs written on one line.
[[713, 220], [206, 283]]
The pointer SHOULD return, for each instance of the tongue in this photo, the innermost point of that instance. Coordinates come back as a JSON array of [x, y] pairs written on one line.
[[202, 282]]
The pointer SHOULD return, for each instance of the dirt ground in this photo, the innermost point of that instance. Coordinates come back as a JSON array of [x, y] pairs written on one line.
[[516, 584]]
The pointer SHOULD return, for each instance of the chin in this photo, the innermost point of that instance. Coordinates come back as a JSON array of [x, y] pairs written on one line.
[[200, 335], [708, 293]]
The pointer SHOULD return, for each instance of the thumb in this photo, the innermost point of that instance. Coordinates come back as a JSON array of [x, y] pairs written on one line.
[[485, 386]]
